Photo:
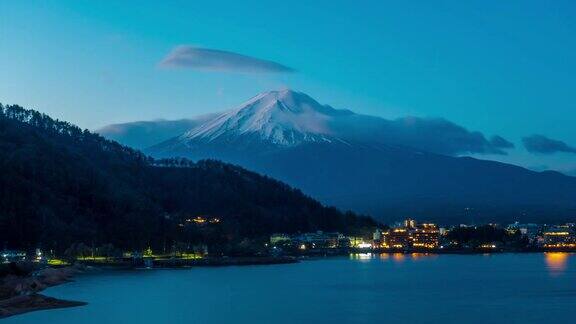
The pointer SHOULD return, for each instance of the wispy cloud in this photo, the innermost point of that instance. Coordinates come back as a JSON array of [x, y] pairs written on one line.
[[220, 61], [541, 144], [501, 143]]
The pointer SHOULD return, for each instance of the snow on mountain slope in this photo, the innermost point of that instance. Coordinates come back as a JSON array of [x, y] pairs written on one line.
[[284, 118]]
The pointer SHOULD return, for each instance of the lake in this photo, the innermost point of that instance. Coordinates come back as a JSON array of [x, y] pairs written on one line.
[[362, 288]]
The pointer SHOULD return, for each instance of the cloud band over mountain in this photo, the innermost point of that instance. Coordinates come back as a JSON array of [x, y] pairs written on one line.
[[220, 61], [441, 136], [540, 144]]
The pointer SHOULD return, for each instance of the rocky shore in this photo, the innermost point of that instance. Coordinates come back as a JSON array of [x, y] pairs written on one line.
[[21, 283]]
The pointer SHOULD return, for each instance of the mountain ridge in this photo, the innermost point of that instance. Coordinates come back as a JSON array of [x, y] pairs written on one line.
[[281, 117], [389, 169]]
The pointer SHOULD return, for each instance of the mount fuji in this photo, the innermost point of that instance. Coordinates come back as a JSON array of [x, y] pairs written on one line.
[[387, 168], [282, 119]]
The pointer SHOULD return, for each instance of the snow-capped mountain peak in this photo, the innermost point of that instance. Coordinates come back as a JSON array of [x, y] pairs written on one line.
[[279, 117]]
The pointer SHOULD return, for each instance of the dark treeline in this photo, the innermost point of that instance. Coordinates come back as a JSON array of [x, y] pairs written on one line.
[[61, 185], [485, 234]]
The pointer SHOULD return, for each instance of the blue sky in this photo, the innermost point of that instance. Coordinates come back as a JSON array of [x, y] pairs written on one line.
[[499, 67]]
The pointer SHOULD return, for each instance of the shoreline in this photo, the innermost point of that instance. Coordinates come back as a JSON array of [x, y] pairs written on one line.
[[20, 288], [35, 302]]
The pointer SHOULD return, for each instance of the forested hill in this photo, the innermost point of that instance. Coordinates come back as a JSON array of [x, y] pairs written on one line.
[[61, 185]]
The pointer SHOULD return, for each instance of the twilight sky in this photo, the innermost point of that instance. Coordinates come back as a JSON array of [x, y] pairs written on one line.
[[499, 67]]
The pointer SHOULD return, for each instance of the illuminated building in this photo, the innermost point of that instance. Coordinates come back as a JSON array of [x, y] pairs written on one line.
[[425, 236], [201, 220], [280, 239], [365, 245], [410, 223], [355, 241], [378, 239], [530, 230], [488, 246], [198, 220], [559, 237], [398, 238], [13, 256]]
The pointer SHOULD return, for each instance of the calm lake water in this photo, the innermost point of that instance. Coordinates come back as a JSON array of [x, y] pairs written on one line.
[[499, 288]]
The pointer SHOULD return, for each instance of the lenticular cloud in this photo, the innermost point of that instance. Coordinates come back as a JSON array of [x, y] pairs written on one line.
[[220, 61]]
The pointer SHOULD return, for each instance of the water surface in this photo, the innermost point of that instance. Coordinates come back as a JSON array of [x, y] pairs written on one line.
[[510, 288]]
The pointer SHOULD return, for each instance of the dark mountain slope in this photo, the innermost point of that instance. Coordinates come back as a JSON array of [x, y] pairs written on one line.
[[60, 185], [392, 183]]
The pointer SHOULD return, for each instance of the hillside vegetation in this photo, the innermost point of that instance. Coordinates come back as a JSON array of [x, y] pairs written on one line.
[[61, 185]]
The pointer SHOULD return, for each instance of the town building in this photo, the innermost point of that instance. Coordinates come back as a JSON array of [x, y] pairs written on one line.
[[13, 256], [280, 239], [425, 236], [377, 235], [530, 230], [356, 241], [410, 223], [321, 240], [560, 236], [398, 238]]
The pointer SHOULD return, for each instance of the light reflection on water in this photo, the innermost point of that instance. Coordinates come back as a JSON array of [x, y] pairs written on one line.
[[556, 262], [395, 257]]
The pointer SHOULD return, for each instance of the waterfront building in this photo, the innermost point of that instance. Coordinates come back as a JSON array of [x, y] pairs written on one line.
[[398, 238], [530, 230], [426, 236], [378, 239], [355, 241], [321, 240], [561, 236], [13, 256]]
